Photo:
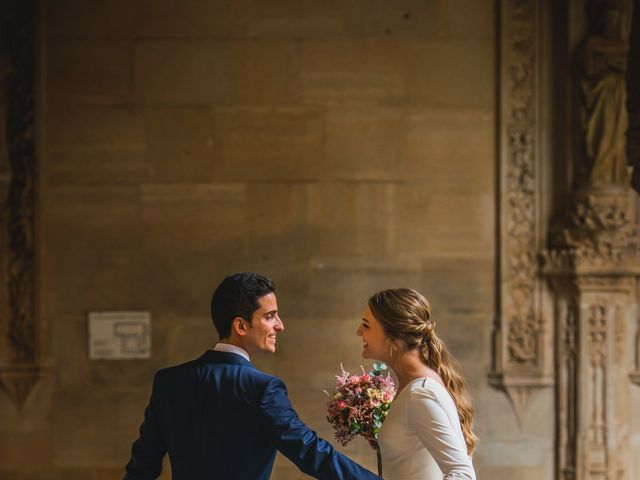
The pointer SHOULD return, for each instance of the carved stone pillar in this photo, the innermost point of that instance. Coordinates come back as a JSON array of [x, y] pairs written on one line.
[[19, 344], [522, 336], [592, 267]]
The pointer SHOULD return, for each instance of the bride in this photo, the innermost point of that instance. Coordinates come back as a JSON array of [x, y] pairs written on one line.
[[427, 434]]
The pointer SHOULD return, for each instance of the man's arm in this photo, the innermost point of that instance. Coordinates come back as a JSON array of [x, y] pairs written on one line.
[[313, 455], [149, 449]]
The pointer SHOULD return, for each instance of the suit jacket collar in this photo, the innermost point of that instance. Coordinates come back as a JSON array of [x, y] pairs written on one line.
[[212, 356]]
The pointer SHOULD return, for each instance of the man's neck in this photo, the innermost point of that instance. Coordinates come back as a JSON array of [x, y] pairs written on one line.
[[237, 345], [233, 341]]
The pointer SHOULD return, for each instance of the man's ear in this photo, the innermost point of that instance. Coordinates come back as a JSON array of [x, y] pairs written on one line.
[[240, 326]]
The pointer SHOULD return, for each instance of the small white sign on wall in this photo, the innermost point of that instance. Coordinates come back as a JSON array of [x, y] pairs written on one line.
[[119, 335]]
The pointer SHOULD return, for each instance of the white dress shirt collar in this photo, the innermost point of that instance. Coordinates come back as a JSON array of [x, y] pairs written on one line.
[[228, 348]]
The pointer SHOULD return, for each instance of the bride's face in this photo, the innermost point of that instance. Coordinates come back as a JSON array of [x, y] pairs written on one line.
[[375, 342]]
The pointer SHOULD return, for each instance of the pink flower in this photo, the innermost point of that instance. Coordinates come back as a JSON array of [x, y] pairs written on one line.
[[355, 400]]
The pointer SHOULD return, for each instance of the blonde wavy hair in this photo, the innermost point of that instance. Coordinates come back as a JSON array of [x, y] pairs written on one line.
[[405, 316]]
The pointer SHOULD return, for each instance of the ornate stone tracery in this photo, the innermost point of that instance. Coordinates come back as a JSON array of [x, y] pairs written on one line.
[[19, 367], [521, 360], [590, 260]]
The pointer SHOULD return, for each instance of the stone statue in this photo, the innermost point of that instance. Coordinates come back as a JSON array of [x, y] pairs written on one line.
[[633, 98], [603, 86], [5, 169]]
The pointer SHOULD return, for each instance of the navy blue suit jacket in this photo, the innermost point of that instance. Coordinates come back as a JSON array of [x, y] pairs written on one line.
[[220, 418]]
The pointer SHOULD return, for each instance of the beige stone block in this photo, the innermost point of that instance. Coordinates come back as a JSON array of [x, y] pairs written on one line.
[[193, 18], [190, 216], [352, 72], [507, 473], [191, 337], [187, 229], [298, 9], [96, 216], [183, 72], [100, 18], [450, 73], [450, 150], [178, 283], [341, 289], [495, 421], [265, 72], [351, 218], [109, 473], [90, 432], [260, 143], [88, 71], [94, 145], [298, 19], [70, 348], [452, 224], [459, 287], [311, 350], [179, 144], [394, 19], [85, 126], [97, 165], [23, 472], [25, 450], [279, 227], [467, 19], [92, 258], [366, 144], [467, 337]]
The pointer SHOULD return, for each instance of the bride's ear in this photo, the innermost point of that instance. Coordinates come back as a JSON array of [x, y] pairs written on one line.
[[395, 347]]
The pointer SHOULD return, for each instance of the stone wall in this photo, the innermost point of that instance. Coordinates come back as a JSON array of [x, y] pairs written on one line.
[[339, 146]]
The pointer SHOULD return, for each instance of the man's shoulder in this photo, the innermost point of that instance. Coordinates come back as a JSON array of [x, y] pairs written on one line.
[[243, 371]]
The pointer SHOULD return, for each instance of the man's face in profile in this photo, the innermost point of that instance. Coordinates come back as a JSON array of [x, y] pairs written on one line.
[[265, 325]]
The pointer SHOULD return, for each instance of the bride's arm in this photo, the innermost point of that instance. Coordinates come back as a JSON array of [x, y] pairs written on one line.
[[428, 419]]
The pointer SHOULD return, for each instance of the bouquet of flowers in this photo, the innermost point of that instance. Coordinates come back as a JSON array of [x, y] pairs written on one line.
[[360, 404]]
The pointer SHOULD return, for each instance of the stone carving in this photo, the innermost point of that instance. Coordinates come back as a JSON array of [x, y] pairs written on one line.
[[595, 255], [567, 392], [599, 233], [596, 427], [620, 333], [604, 95], [633, 98], [521, 361], [18, 372], [635, 375], [523, 336]]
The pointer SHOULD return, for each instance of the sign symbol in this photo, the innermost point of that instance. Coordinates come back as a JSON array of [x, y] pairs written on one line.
[[133, 336]]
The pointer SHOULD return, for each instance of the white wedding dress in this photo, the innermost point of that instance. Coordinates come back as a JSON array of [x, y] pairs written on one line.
[[421, 438]]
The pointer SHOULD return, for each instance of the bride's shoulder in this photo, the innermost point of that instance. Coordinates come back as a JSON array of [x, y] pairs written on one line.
[[427, 388]]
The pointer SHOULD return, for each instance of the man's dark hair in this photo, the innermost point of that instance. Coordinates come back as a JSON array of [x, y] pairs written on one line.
[[237, 296]]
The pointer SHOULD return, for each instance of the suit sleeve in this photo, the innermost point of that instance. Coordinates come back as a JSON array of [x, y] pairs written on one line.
[[311, 454], [430, 423], [149, 449]]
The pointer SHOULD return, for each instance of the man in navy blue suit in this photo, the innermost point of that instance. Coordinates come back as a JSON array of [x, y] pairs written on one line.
[[219, 417]]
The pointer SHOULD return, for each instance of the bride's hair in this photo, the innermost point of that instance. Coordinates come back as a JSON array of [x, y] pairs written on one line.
[[405, 316]]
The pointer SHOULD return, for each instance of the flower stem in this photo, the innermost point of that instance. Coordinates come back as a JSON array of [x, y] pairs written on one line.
[[379, 455]]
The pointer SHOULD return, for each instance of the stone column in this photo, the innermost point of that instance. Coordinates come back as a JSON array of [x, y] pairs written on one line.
[[593, 267], [19, 369]]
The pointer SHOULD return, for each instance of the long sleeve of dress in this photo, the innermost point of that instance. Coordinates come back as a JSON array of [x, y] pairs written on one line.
[[439, 433]]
